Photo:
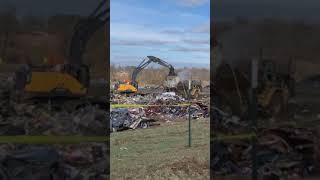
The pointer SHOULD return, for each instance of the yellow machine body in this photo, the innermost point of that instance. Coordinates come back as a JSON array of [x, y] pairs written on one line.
[[266, 96], [195, 92], [127, 88], [49, 82]]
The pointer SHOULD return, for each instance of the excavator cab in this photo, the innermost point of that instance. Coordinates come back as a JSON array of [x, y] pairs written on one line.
[[126, 87], [81, 73]]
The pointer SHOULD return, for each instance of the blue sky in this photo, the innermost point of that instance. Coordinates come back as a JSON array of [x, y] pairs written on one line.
[[177, 31]]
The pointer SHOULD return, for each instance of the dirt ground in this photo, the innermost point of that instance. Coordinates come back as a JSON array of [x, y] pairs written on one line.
[[161, 152]]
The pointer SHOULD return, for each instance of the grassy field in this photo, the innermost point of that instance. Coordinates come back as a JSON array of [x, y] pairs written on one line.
[[161, 152]]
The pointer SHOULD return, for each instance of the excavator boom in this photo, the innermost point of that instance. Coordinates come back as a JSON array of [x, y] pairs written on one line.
[[84, 30]]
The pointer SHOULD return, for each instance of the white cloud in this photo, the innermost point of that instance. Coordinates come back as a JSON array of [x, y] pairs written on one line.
[[138, 35], [138, 30], [149, 42], [197, 41], [135, 33], [188, 49], [173, 31], [193, 2], [203, 28]]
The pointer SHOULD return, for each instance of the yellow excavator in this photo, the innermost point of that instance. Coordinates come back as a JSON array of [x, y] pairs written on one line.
[[172, 83], [72, 78], [132, 86], [231, 86]]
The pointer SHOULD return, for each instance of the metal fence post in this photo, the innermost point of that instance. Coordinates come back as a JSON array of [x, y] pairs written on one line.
[[189, 119], [253, 116], [189, 111]]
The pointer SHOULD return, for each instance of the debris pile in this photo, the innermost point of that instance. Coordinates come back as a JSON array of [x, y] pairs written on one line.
[[39, 117], [69, 162], [283, 149], [44, 117], [162, 107], [169, 97], [28, 119], [284, 152], [120, 119]]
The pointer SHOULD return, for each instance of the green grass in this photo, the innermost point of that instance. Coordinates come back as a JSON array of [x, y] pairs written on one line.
[[161, 152]]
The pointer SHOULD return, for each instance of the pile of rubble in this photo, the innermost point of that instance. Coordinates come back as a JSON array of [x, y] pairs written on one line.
[[30, 119], [162, 107], [281, 152], [50, 162], [68, 162], [284, 151], [43, 117]]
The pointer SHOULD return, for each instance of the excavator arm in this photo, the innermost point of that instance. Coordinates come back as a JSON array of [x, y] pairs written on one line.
[[82, 33], [84, 30], [145, 63]]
